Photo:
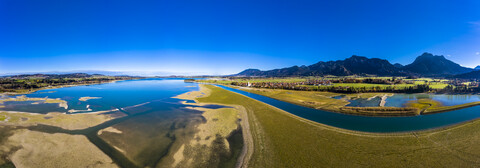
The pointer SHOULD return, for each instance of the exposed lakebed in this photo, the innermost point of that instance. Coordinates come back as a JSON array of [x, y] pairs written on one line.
[[151, 127]]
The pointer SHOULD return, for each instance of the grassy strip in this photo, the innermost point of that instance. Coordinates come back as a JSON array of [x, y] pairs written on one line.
[[380, 111], [423, 104], [429, 106], [439, 109], [317, 100], [283, 140]]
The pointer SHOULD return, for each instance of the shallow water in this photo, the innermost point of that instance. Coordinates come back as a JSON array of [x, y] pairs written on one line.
[[27, 106], [154, 121]]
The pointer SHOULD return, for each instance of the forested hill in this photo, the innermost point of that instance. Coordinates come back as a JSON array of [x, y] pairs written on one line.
[[429, 65]]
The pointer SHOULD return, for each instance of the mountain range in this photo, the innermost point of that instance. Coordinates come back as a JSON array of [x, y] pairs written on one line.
[[426, 64]]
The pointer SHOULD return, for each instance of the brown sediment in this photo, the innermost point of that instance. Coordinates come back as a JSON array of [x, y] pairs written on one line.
[[88, 98], [203, 92], [383, 101], [218, 126], [82, 124], [34, 149], [66, 121], [109, 129], [248, 147]]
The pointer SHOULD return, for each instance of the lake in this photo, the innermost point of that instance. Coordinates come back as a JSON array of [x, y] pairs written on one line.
[[154, 122]]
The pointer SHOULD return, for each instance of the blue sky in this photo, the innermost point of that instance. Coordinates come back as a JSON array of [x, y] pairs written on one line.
[[225, 37]]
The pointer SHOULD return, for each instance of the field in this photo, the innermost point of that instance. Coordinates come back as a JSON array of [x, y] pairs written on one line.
[[433, 85], [361, 85], [317, 100], [283, 140]]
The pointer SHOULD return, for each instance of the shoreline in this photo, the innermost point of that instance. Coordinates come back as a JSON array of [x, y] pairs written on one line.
[[248, 148], [372, 111]]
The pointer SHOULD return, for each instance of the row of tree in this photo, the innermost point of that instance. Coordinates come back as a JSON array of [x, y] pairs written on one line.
[[460, 89], [388, 81]]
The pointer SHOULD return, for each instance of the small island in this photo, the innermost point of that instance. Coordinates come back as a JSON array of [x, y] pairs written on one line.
[[189, 80], [88, 98]]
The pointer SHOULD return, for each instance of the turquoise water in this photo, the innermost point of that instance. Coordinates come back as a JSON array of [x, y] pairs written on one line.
[[370, 124]]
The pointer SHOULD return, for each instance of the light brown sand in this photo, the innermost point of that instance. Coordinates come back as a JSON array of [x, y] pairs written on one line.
[[38, 149]]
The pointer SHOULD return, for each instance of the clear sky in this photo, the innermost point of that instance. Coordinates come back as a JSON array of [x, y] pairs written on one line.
[[227, 36]]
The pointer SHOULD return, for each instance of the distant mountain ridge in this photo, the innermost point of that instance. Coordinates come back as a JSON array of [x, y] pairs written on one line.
[[52, 76], [355, 65], [103, 72], [424, 65]]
